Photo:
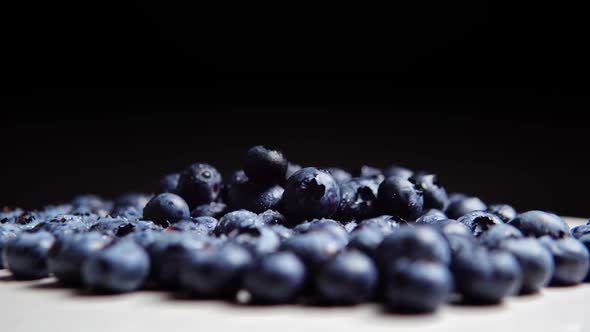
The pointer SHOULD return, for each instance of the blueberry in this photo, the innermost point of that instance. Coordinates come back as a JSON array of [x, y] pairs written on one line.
[[122, 266], [399, 197], [350, 226], [275, 278], [169, 253], [414, 243], [348, 278], [264, 165], [504, 211], [431, 216], [311, 193], [328, 226], [242, 193], [435, 195], [166, 208], [168, 183], [482, 275], [282, 231], [371, 172], [479, 221], [580, 230], [397, 171], [358, 200], [200, 225], [25, 255], [271, 217], [127, 212], [7, 232], [92, 202], [313, 248], [451, 227], [535, 262], [339, 175], [259, 240], [199, 184], [570, 257], [459, 207], [539, 223], [213, 209], [499, 233], [66, 256], [135, 200], [416, 286], [366, 239], [386, 223], [291, 169], [217, 271], [236, 220]]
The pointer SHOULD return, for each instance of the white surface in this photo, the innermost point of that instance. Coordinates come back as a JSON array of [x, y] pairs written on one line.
[[41, 306]]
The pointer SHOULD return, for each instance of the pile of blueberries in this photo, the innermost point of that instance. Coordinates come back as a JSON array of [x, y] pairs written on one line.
[[278, 233]]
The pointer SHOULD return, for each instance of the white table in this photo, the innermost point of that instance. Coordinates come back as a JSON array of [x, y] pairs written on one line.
[[42, 306]]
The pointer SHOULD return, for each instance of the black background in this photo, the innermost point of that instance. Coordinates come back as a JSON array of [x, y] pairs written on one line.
[[107, 97]]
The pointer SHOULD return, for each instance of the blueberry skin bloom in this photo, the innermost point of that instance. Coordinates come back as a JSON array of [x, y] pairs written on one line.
[[215, 272], [413, 243], [460, 206], [571, 260], [25, 255], [536, 262], [417, 286], [503, 211], [199, 184], [348, 278], [169, 182], [166, 208], [484, 276], [67, 255], [435, 196], [311, 193], [539, 223], [399, 197], [479, 222], [275, 278], [122, 266], [265, 166]]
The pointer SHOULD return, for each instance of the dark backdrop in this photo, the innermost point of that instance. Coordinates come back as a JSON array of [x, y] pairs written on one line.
[[107, 97]]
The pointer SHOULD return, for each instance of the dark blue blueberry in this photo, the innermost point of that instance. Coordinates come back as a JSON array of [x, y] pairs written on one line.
[[358, 200], [93, 202], [499, 233], [435, 195], [135, 200], [539, 223], [585, 240], [482, 275], [535, 262], [242, 193], [201, 225], [386, 223], [580, 230], [127, 212], [199, 184], [259, 240], [169, 253], [504, 211], [291, 169], [123, 266], [110, 225], [371, 172], [271, 217], [413, 243], [213, 209], [215, 271], [397, 171], [136, 226], [311, 193], [66, 256], [451, 227], [416, 286], [7, 232], [339, 175], [236, 220], [348, 278], [399, 197], [570, 257], [25, 255], [313, 248], [168, 183], [275, 278], [145, 239], [431, 216], [366, 239], [265, 166], [328, 226], [479, 221], [459, 207], [167, 208], [282, 231]]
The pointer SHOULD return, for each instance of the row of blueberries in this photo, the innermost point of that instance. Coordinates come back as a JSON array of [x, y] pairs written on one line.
[[285, 234]]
